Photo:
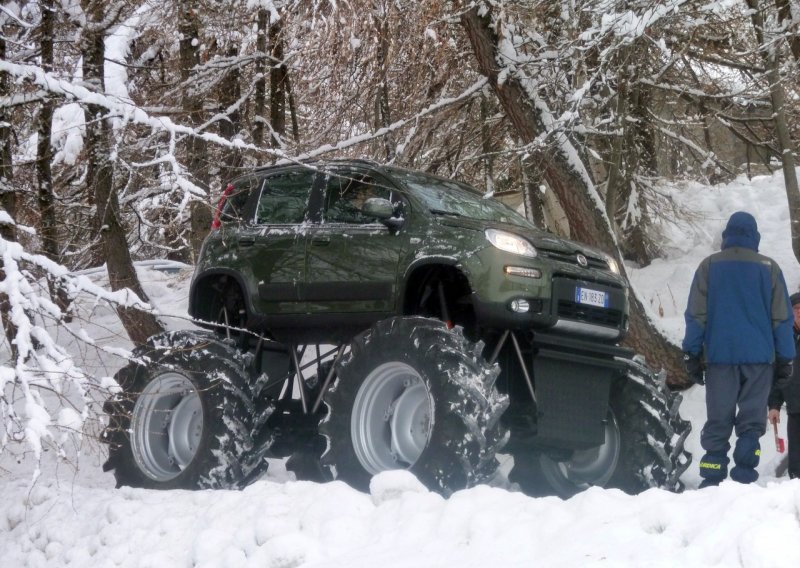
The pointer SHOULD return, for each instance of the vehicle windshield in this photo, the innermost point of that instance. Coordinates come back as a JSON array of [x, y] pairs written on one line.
[[448, 197]]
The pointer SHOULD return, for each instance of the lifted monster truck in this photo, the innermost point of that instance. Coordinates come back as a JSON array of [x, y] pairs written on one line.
[[454, 328]]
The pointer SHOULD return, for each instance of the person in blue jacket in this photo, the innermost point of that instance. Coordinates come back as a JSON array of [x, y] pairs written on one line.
[[738, 340]]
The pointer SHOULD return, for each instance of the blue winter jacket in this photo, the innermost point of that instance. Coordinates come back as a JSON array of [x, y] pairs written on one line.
[[739, 310]]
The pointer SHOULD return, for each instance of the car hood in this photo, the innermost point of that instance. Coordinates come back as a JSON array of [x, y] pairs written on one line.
[[542, 240]]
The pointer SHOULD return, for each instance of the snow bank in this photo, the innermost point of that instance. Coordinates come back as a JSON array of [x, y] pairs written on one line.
[[400, 524]]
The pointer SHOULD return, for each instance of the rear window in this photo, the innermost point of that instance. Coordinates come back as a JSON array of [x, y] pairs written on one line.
[[235, 201]]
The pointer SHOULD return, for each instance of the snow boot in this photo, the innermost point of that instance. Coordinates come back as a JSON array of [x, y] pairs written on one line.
[[713, 469], [746, 456]]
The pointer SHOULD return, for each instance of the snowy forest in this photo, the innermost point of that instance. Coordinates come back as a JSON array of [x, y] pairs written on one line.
[[121, 122]]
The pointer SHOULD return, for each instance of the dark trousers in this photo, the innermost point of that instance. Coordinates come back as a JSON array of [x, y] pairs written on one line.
[[793, 435], [728, 387]]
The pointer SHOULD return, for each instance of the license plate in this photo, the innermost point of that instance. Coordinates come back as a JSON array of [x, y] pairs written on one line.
[[591, 297]]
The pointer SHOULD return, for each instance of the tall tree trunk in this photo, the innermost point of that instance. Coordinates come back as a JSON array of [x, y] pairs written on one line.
[[92, 50], [531, 196], [196, 147], [487, 146], [622, 197], [563, 173], [705, 114], [229, 94], [615, 178], [769, 53], [383, 110], [787, 22], [48, 226], [100, 180], [260, 96], [277, 85], [8, 199], [292, 110]]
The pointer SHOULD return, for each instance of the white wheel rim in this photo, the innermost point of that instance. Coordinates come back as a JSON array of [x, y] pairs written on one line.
[[392, 418], [166, 426]]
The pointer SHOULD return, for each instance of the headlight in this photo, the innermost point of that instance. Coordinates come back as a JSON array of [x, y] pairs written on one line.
[[510, 243], [612, 264]]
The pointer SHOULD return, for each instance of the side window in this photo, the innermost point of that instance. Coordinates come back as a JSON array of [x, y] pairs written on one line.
[[284, 198], [346, 193]]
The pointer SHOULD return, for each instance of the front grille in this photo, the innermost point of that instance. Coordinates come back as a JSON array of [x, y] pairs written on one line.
[[572, 258], [589, 314]]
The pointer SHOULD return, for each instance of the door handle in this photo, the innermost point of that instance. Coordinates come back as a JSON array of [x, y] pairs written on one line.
[[246, 241], [320, 241]]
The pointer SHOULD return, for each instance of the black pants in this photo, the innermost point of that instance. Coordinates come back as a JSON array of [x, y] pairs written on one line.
[[793, 435]]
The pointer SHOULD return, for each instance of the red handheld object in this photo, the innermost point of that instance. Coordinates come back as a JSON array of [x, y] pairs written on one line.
[[780, 444]]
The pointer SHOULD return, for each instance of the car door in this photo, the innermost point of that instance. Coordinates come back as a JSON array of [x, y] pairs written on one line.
[[352, 258], [274, 246]]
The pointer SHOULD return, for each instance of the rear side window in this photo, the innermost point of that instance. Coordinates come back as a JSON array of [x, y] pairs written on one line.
[[284, 198]]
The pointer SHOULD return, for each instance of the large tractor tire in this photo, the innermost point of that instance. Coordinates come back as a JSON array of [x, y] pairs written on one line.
[[653, 432], [186, 418], [413, 394], [644, 444]]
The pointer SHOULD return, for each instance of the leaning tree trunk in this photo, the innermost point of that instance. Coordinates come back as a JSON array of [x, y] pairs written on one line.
[[100, 180], [567, 177]]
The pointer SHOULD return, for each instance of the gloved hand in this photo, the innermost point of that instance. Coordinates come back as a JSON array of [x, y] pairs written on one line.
[[694, 368], [783, 371]]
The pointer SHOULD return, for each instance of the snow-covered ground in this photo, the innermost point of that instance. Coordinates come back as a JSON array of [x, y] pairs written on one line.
[[73, 516]]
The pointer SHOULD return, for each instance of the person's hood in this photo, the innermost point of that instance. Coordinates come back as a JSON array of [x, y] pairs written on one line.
[[741, 231]]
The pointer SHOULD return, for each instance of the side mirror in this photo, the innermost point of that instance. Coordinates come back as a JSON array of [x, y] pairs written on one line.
[[383, 210], [378, 207]]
